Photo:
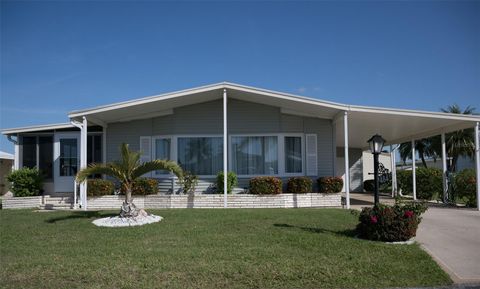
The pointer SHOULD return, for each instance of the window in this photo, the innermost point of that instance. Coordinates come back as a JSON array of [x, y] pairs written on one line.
[[45, 156], [162, 152], [255, 155], [29, 150], [200, 155], [293, 155], [68, 157]]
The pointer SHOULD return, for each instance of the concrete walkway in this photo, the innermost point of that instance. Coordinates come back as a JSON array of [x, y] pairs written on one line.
[[452, 237]]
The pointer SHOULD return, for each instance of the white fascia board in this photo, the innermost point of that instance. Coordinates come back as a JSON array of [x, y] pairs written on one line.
[[36, 128], [286, 96], [418, 113], [149, 99]]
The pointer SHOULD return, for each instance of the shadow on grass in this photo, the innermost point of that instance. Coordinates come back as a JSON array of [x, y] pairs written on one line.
[[346, 233], [81, 215]]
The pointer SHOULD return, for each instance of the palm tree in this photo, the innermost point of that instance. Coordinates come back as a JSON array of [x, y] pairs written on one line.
[[425, 148], [127, 171], [459, 143]]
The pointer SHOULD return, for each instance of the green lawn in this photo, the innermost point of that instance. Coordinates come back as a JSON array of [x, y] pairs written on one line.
[[194, 248]]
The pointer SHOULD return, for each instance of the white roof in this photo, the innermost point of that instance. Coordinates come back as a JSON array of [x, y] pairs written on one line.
[[395, 125], [5, 155], [37, 128]]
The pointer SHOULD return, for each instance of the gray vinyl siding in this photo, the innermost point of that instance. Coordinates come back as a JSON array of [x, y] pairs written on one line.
[[207, 118]]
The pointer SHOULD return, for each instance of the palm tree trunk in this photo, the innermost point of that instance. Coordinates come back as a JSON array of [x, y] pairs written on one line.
[[423, 161], [128, 208]]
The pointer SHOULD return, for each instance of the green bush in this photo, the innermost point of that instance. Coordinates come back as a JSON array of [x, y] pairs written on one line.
[[428, 180], [189, 182], [231, 182], [330, 185], [265, 186], [26, 182], [299, 185], [145, 186], [99, 187], [390, 223], [369, 185], [465, 186]]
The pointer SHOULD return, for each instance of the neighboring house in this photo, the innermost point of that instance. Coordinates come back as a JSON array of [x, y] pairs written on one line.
[[463, 162], [267, 133], [6, 165]]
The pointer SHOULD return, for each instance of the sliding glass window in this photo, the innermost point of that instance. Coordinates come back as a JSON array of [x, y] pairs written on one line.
[[29, 151], [293, 155], [162, 152], [45, 156], [200, 155], [255, 155]]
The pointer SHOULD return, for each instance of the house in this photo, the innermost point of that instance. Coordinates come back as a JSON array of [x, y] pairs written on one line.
[[249, 130]]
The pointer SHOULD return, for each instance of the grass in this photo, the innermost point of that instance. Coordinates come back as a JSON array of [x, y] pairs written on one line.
[[193, 248]]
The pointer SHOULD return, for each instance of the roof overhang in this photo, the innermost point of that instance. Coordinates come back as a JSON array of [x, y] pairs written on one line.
[[37, 128], [395, 125]]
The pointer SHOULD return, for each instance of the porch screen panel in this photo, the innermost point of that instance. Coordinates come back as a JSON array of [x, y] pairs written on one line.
[[45, 156], [29, 151], [255, 155], [68, 157], [200, 155], [293, 154]]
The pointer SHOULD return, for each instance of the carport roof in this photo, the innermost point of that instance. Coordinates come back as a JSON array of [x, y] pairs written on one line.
[[395, 125]]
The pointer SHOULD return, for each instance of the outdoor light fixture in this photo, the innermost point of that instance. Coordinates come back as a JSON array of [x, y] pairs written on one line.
[[376, 143]]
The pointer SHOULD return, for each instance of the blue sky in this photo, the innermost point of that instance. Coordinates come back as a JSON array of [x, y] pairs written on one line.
[[61, 56]]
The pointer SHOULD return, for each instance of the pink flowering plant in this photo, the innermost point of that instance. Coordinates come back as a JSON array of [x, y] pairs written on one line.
[[391, 223]]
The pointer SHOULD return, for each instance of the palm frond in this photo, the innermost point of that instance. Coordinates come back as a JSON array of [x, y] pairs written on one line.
[[158, 165], [109, 169]]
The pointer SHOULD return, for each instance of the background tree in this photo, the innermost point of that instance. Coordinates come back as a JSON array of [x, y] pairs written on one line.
[[424, 147], [127, 171], [459, 143]]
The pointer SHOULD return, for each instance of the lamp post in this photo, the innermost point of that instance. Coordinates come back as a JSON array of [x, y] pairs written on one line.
[[376, 143]]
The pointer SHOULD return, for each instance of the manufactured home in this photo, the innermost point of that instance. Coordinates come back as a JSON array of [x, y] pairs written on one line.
[[251, 131]]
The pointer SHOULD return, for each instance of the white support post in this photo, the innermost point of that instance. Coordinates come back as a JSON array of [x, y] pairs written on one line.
[[16, 161], [83, 161], [392, 167], [477, 162], [414, 176], [347, 165], [444, 168], [104, 147], [225, 143]]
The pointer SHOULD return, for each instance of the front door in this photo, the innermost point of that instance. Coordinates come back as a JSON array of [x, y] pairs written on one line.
[[67, 160]]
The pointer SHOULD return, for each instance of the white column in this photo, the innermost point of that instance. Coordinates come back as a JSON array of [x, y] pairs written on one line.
[[444, 168], [83, 161], [392, 167], [225, 143], [414, 177], [104, 144], [477, 162], [347, 165], [16, 161]]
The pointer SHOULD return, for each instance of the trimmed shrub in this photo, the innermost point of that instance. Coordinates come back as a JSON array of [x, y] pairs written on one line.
[[429, 182], [369, 185], [145, 186], [465, 186], [391, 223], [299, 185], [265, 186], [26, 182], [231, 182], [404, 181], [189, 182], [99, 187], [330, 185]]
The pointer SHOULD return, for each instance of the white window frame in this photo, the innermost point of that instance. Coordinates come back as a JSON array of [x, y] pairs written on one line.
[[175, 138], [280, 153], [154, 152]]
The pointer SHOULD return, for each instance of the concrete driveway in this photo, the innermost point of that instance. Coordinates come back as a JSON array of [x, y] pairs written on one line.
[[452, 237]]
